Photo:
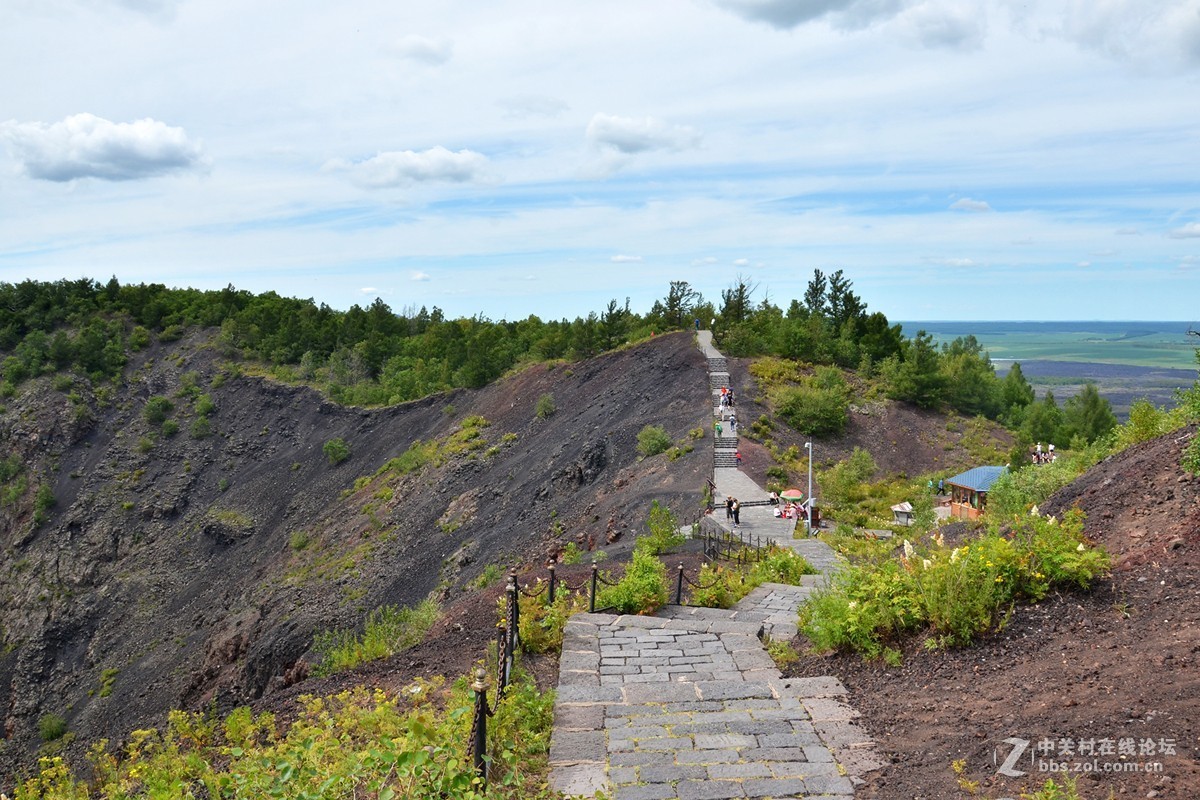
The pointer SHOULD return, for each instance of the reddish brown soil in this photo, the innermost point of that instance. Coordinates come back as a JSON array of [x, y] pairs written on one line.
[[1120, 661]]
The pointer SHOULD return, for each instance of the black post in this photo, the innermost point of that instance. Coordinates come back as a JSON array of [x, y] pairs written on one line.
[[479, 727], [679, 587], [592, 594], [550, 599], [514, 635]]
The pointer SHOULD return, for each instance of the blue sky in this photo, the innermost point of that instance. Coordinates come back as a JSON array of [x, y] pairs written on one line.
[[959, 159]]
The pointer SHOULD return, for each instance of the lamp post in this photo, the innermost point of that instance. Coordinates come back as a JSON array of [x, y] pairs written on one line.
[[808, 499]]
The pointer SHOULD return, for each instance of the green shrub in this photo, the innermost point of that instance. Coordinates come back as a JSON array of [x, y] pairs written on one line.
[[388, 630], [652, 440], [717, 587], [571, 554], [108, 678], [336, 451], [205, 405], [641, 590], [157, 409], [664, 533], [545, 407], [299, 540], [541, 623], [52, 727], [953, 593], [201, 428], [169, 428]]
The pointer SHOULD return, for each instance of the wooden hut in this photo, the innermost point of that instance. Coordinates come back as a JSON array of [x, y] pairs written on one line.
[[968, 491]]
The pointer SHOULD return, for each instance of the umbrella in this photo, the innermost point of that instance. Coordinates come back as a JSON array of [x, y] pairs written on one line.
[[792, 494]]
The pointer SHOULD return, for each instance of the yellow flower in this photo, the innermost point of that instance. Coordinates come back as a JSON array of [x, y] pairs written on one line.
[[999, 579]]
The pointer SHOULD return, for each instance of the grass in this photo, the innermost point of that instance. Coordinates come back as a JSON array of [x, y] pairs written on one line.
[[388, 630]]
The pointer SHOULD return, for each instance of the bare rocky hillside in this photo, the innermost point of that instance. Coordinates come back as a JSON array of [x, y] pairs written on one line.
[[175, 571]]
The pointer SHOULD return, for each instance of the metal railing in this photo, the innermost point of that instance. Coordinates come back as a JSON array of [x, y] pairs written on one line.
[[738, 548]]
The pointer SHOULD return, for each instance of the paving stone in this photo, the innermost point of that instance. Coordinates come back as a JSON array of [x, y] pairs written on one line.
[[738, 771], [580, 779], [707, 757], [574, 747], [828, 784], [578, 717], [775, 787], [637, 792], [672, 692], [709, 790], [665, 743], [725, 690], [588, 694], [672, 773], [718, 741], [633, 759], [619, 775]]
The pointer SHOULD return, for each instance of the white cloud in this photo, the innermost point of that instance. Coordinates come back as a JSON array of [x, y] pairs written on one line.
[[956, 263], [427, 51], [368, 290], [406, 167], [1083, 264], [629, 135], [625, 259], [1189, 231], [785, 14], [741, 262], [86, 146], [1133, 30], [1127, 231], [532, 105], [967, 204], [419, 276], [701, 262], [940, 24]]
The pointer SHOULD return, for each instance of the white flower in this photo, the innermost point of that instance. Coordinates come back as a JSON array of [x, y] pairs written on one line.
[[1081, 548], [1033, 512], [852, 604], [908, 549], [941, 540], [926, 563], [954, 554]]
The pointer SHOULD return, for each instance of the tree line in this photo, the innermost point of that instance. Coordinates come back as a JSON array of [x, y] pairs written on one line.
[[374, 355]]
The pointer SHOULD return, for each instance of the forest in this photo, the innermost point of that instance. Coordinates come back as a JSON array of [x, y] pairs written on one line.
[[375, 356]]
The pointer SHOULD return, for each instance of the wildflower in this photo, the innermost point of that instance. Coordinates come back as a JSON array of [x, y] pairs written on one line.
[[1081, 548], [908, 549], [999, 579], [941, 540], [852, 604], [926, 563], [954, 554], [414, 689]]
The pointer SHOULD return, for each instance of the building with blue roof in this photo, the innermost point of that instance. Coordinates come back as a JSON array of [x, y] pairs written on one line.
[[968, 491]]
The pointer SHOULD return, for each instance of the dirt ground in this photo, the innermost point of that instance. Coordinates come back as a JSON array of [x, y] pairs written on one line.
[[1079, 671]]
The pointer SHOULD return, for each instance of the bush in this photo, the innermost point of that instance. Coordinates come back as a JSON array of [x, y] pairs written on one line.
[[545, 407], [652, 440], [664, 530], [157, 409], [336, 451], [201, 428], [642, 589], [52, 727], [541, 624]]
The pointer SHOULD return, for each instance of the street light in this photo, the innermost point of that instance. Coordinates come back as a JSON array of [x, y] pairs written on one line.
[[808, 500]]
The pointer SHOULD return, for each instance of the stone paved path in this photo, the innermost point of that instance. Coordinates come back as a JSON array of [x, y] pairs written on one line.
[[688, 704]]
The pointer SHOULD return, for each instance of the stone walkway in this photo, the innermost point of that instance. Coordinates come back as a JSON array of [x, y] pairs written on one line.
[[688, 704]]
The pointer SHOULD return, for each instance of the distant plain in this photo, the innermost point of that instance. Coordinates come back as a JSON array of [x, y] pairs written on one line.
[[1126, 360]]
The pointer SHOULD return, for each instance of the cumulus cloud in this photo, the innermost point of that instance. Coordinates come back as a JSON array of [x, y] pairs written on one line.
[[406, 167], [625, 259], [86, 146], [532, 105], [426, 51], [1189, 231], [967, 204], [629, 135], [741, 262], [420, 277], [786, 14], [368, 290]]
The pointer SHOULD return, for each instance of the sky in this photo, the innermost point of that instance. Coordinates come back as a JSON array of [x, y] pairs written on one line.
[[958, 159]]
